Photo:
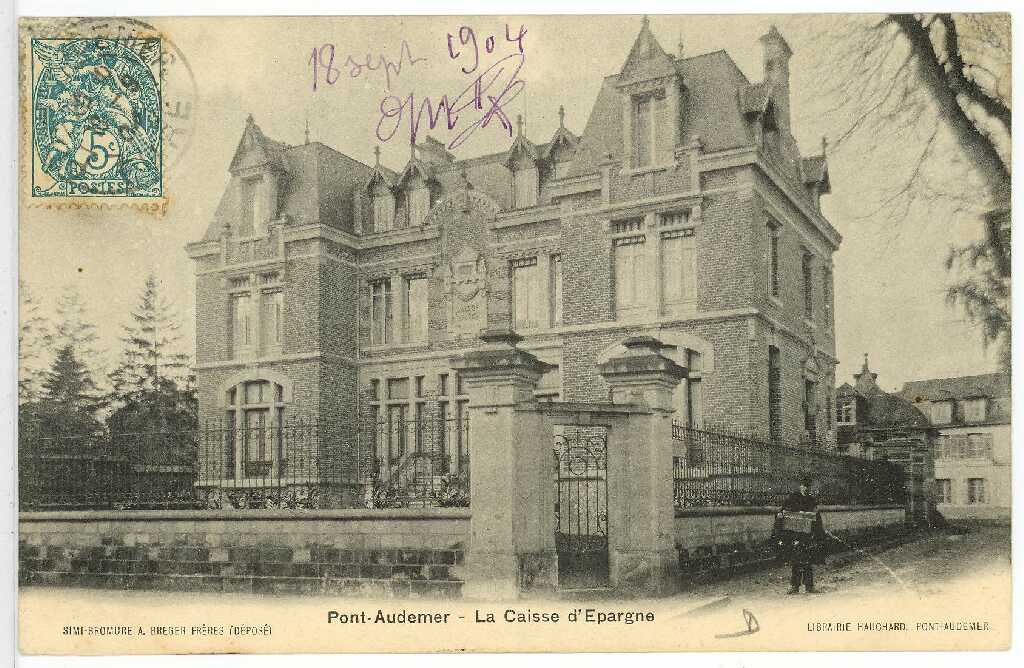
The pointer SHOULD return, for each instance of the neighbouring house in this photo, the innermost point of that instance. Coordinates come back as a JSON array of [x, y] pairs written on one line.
[[874, 424], [332, 295], [972, 452]]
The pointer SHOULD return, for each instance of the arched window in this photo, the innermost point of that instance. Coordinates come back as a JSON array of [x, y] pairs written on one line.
[[255, 418]]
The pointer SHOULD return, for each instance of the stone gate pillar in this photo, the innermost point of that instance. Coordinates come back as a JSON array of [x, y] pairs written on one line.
[[642, 554], [511, 545]]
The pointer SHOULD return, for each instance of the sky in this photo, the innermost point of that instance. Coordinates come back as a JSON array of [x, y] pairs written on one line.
[[889, 279]]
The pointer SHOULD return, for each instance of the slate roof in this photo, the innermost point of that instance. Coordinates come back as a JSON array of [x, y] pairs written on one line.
[[716, 100], [991, 385]]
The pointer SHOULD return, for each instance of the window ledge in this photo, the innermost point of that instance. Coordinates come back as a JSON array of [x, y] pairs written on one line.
[[402, 345], [640, 171], [775, 300], [810, 323]]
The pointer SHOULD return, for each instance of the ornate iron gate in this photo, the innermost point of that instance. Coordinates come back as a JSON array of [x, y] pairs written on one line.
[[581, 507]]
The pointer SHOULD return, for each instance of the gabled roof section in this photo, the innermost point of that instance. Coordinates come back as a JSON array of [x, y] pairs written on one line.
[[522, 145], [562, 138], [380, 173], [646, 60], [416, 167], [255, 149]]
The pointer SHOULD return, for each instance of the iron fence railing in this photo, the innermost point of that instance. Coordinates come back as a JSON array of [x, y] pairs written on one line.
[[150, 470], [715, 468], [251, 461]]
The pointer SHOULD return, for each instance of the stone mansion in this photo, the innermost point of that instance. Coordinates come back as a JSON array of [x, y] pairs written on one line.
[[340, 292]]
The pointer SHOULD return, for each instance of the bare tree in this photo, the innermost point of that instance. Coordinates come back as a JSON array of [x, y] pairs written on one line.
[[929, 95]]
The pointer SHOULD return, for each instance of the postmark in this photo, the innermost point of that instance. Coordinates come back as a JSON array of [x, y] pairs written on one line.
[[97, 117]]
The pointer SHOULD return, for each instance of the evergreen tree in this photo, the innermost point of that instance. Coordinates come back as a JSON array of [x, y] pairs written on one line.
[[33, 331], [69, 399], [152, 383], [72, 329]]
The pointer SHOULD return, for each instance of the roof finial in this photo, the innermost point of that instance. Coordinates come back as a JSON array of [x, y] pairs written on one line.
[[307, 128], [865, 367], [680, 45], [519, 124], [824, 145], [561, 115], [249, 120], [376, 156], [412, 150], [646, 22]]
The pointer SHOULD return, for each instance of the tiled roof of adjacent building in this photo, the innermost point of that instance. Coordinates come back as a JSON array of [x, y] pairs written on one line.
[[991, 385]]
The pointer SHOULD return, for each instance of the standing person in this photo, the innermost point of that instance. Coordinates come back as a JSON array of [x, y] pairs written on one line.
[[801, 543]]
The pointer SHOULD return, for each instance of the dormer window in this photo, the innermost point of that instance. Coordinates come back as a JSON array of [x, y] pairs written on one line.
[[647, 111], [254, 217], [524, 186], [942, 412], [383, 211], [975, 410], [846, 411], [419, 205]]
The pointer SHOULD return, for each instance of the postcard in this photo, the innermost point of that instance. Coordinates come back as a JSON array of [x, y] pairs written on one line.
[[531, 333]]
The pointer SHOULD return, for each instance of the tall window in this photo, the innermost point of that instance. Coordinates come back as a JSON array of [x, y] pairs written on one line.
[[773, 259], [380, 312], [632, 275], [272, 321], [524, 187], [808, 274], [826, 295], [419, 205], [694, 390], [646, 113], [415, 320], [529, 299], [678, 268], [979, 445], [810, 410], [255, 411], [383, 212], [241, 324], [774, 394], [556, 289], [976, 491], [943, 490]]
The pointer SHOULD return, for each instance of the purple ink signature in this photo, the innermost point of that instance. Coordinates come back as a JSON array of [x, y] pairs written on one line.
[[322, 61], [501, 77]]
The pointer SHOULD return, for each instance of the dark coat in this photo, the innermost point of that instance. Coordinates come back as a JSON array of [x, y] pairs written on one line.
[[797, 547]]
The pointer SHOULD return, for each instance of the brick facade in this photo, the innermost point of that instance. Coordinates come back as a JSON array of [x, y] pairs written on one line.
[[723, 169]]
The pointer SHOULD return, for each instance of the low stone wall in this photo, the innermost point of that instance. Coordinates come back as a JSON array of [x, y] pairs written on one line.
[[720, 540], [375, 553]]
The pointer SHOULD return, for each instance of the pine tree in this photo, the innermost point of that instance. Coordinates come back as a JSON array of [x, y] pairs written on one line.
[[69, 399], [72, 329], [152, 383], [33, 331]]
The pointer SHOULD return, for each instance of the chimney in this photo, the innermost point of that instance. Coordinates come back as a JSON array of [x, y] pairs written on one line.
[[776, 73]]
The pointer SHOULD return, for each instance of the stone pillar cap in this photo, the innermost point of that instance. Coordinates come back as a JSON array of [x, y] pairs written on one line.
[[643, 355], [500, 335]]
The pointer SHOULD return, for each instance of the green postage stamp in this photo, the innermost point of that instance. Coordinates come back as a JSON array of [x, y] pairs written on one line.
[[96, 117]]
